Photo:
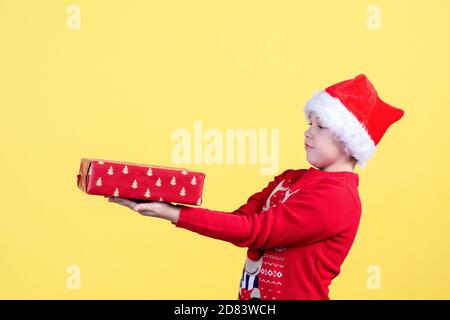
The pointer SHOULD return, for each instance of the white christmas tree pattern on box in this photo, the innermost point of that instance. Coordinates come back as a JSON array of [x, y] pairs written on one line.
[[142, 182]]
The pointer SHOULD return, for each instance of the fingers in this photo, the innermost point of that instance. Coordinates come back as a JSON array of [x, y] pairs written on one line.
[[151, 208], [148, 206], [122, 201]]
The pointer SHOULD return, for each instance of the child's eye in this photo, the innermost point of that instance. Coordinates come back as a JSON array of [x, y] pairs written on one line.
[[318, 126]]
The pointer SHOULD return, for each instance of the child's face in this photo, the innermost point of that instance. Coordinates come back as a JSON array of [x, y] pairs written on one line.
[[326, 149]]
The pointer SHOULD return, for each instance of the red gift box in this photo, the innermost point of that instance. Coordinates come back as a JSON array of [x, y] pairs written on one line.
[[140, 181]]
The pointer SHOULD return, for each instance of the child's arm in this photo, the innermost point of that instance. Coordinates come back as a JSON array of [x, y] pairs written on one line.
[[254, 203], [307, 216]]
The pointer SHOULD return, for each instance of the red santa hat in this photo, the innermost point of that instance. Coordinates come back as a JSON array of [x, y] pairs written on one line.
[[355, 114]]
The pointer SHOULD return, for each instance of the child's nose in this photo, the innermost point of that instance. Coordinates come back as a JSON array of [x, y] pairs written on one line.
[[307, 134]]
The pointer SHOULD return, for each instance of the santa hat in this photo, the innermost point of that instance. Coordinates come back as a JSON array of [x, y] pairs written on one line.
[[355, 114]]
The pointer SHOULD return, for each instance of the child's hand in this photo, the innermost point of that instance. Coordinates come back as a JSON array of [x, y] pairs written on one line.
[[157, 209]]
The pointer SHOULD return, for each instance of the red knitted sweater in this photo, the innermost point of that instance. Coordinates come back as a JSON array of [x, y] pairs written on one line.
[[299, 229]]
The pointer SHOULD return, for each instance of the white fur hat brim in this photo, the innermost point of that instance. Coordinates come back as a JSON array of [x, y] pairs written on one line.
[[343, 124]]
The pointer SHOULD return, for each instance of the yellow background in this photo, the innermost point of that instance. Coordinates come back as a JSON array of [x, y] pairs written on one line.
[[137, 70]]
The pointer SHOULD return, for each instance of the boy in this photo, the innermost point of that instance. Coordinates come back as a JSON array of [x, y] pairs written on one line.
[[301, 226]]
